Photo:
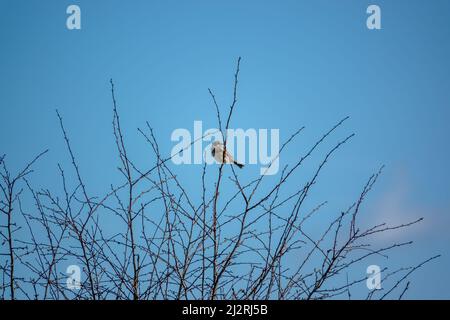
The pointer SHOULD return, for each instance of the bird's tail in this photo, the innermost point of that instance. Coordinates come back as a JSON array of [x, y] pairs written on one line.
[[238, 164]]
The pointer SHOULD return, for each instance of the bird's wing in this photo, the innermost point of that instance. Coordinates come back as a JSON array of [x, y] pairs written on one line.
[[229, 158]]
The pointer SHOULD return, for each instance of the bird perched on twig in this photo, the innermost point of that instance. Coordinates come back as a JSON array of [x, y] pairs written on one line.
[[221, 155]]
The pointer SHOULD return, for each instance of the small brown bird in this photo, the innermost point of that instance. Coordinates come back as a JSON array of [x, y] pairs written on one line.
[[218, 150]]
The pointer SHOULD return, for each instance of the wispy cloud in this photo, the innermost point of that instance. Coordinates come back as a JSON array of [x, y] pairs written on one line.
[[401, 202]]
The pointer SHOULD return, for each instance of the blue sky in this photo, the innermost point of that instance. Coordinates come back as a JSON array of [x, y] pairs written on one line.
[[303, 63]]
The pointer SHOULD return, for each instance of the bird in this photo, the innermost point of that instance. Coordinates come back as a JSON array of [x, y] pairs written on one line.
[[221, 155]]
